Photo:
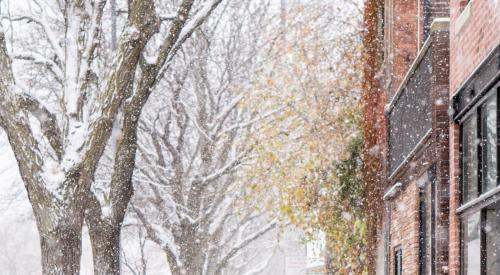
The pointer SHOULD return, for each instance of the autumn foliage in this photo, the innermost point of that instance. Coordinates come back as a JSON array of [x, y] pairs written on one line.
[[309, 156]]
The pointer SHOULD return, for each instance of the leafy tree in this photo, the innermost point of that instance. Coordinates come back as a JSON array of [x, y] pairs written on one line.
[[310, 154]]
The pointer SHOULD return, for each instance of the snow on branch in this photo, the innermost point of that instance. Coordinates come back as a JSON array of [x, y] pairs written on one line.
[[48, 121], [92, 42], [14, 119], [252, 121], [185, 32], [197, 20], [42, 22], [262, 266], [232, 252], [41, 60], [118, 84], [226, 169], [169, 247]]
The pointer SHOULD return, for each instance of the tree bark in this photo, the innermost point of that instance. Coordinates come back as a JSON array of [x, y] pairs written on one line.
[[61, 248], [105, 232], [190, 264], [106, 250], [60, 216], [104, 238]]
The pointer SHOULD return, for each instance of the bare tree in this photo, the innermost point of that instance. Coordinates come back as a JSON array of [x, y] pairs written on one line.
[[60, 104], [193, 142]]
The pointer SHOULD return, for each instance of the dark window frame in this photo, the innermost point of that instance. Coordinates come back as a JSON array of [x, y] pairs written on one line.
[[427, 233], [473, 118], [422, 230], [477, 111], [398, 260], [480, 202]]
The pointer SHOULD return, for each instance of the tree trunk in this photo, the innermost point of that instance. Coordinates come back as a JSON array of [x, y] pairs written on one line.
[[188, 268], [106, 250], [60, 228], [190, 261], [104, 238], [192, 257], [61, 250]]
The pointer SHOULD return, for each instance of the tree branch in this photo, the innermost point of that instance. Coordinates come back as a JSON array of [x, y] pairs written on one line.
[[41, 60], [231, 253], [141, 27], [88, 54], [48, 122], [14, 120], [42, 22]]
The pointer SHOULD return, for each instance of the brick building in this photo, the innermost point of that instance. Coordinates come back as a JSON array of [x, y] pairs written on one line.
[[437, 140], [474, 85]]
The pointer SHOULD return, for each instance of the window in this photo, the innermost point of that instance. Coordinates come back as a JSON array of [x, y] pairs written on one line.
[[492, 235], [471, 244], [481, 241], [398, 261], [489, 144], [479, 151], [469, 160], [480, 220], [427, 209], [423, 246]]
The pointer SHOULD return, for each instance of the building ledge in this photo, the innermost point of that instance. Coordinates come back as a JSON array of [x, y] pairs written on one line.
[[463, 17], [481, 201], [391, 193]]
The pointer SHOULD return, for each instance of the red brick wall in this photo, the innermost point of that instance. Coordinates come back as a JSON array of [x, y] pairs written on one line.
[[440, 8], [406, 26], [373, 127], [477, 37], [404, 228], [401, 42], [454, 260], [405, 39], [440, 82]]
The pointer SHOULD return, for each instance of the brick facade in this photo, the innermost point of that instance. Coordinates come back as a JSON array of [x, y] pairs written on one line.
[[403, 46], [404, 228], [454, 249], [459, 53], [474, 33], [408, 40], [430, 154]]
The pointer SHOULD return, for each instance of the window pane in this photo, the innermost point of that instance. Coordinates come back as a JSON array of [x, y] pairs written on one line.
[[469, 159], [489, 117], [398, 261], [492, 230], [471, 253]]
